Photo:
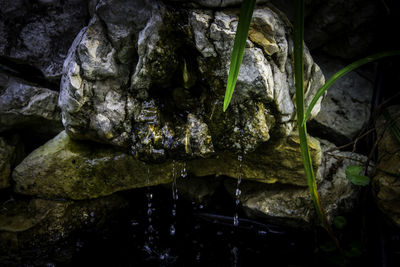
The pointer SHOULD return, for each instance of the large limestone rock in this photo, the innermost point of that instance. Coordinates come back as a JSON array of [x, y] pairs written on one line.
[[292, 206], [386, 183], [40, 223], [151, 78], [346, 108], [39, 34], [63, 168], [280, 162], [24, 106]]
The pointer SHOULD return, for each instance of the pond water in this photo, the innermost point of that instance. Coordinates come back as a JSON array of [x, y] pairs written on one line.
[[205, 235]]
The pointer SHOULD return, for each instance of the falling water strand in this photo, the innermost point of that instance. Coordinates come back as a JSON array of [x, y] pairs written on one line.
[[184, 173], [238, 192], [235, 253], [149, 233], [175, 196]]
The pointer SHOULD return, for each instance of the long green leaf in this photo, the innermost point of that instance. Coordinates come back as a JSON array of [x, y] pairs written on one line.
[[343, 72], [299, 84], [246, 12]]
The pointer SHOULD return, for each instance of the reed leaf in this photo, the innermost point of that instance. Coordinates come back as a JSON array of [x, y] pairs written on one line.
[[299, 84], [246, 13], [343, 72]]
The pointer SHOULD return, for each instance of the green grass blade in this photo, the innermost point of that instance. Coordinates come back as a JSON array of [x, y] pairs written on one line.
[[343, 72], [299, 84], [246, 12]]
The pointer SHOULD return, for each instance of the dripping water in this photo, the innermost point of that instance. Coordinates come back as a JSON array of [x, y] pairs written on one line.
[[184, 173], [150, 231], [238, 192], [175, 197]]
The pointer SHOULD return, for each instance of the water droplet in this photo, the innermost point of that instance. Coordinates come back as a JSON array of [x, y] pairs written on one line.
[[238, 192], [236, 220], [147, 249], [262, 232], [172, 230]]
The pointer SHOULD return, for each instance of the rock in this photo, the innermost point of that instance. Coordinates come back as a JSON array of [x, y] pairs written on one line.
[[292, 205], [40, 223], [63, 168], [39, 34], [154, 83], [345, 110], [343, 29], [273, 163], [386, 183], [24, 106]]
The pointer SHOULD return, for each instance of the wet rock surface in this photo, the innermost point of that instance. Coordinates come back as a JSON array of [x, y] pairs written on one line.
[[155, 85], [278, 163], [292, 205], [26, 106], [37, 222], [64, 168], [386, 183]]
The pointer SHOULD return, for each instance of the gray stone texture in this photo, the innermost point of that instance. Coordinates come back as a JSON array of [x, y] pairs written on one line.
[[152, 79], [26, 106], [345, 110], [39, 33]]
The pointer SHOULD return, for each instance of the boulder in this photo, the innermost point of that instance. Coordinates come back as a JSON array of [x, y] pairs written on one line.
[[345, 110], [39, 33], [386, 183], [280, 162], [292, 205], [40, 223], [150, 77], [63, 168], [25, 106]]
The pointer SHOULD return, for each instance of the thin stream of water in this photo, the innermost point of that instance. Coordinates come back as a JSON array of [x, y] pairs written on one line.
[[150, 231], [175, 197], [238, 192]]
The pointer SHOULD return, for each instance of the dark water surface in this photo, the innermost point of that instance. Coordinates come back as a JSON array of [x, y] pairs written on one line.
[[205, 236]]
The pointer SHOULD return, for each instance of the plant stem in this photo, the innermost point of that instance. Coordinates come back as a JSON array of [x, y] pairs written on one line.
[[302, 128]]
